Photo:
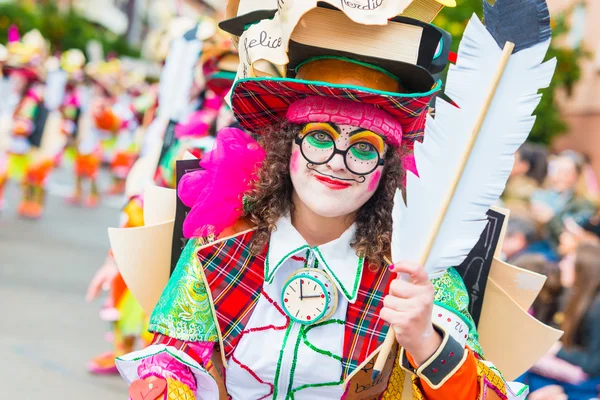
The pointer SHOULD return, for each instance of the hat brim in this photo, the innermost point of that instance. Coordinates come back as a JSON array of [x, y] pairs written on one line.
[[262, 102]]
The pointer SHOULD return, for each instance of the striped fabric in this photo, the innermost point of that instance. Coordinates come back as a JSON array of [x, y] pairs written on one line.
[[235, 278], [261, 102]]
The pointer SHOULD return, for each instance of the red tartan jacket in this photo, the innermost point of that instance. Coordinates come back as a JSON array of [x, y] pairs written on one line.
[[229, 262], [235, 277]]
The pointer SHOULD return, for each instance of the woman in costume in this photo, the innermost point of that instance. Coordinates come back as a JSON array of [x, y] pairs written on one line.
[[297, 295], [313, 208], [292, 307]]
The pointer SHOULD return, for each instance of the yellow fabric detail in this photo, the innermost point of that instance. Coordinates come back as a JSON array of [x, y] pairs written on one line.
[[17, 166], [416, 389], [132, 318], [396, 384], [146, 335], [178, 391], [493, 377], [135, 213], [395, 387]]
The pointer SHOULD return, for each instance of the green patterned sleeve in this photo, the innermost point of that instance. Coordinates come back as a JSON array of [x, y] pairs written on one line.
[[184, 310], [451, 294]]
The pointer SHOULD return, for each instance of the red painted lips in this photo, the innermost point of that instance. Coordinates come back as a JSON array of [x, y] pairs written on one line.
[[334, 184]]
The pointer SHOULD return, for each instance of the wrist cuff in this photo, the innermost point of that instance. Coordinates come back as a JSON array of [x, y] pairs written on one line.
[[440, 367]]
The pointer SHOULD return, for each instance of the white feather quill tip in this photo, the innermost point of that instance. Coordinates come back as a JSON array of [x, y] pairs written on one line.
[[506, 126]]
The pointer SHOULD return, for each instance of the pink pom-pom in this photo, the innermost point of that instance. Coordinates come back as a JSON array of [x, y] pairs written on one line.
[[215, 193]]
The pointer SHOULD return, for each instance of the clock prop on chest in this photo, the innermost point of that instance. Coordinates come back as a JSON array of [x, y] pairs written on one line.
[[309, 296]]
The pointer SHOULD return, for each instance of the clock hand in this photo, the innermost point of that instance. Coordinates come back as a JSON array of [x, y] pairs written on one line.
[[312, 297], [301, 282]]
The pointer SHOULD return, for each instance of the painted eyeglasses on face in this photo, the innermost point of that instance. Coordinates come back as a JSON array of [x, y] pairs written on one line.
[[362, 156]]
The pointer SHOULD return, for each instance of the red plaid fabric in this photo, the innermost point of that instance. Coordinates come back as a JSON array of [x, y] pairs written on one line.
[[235, 278], [179, 345], [261, 102], [365, 331]]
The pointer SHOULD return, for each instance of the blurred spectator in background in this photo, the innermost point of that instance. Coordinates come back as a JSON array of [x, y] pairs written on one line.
[[574, 234], [552, 206], [548, 301], [527, 176], [553, 392], [522, 238], [574, 364], [588, 184]]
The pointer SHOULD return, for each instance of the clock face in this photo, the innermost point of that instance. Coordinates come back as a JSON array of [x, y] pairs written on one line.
[[307, 299]]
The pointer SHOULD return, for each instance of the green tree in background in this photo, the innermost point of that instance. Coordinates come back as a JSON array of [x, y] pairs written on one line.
[[549, 121], [64, 30]]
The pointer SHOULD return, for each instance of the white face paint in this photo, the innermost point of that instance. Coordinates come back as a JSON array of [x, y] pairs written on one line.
[[331, 189]]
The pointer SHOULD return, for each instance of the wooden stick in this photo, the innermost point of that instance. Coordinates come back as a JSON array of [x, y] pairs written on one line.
[[507, 52]]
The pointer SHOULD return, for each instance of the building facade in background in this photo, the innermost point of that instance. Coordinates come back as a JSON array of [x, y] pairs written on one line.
[[582, 108]]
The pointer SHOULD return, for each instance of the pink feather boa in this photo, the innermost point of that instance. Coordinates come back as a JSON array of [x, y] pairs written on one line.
[[215, 193]]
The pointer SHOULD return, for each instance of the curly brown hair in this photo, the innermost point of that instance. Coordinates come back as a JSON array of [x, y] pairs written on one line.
[[271, 196]]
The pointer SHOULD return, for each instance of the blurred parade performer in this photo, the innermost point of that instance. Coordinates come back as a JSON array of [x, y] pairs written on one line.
[[124, 313], [177, 97], [214, 75], [127, 319], [4, 86], [125, 151], [26, 163], [106, 106], [72, 62], [144, 105], [105, 125]]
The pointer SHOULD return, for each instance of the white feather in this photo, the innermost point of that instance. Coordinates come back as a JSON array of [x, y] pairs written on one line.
[[506, 127]]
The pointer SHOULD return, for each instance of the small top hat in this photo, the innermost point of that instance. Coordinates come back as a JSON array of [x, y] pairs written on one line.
[[404, 53]]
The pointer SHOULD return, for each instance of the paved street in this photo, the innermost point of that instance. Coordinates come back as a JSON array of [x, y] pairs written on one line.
[[47, 331]]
